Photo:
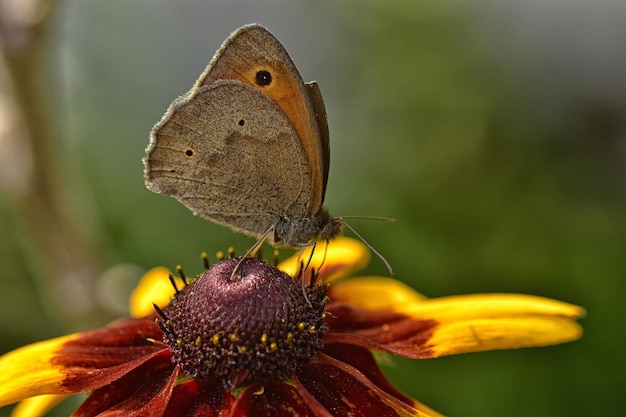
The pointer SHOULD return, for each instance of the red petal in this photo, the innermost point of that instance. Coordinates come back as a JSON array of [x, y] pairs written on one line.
[[101, 356], [346, 392], [143, 392], [361, 359], [271, 399], [199, 399], [383, 330]]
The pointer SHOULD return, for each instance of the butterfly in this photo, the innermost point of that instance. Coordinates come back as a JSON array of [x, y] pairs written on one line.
[[248, 146]]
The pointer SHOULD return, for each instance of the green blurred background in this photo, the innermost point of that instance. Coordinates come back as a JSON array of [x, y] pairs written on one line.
[[494, 132]]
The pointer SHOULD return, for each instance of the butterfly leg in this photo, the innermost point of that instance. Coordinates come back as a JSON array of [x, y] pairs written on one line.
[[252, 250]]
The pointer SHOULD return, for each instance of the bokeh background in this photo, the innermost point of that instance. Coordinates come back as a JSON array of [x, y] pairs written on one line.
[[493, 131]]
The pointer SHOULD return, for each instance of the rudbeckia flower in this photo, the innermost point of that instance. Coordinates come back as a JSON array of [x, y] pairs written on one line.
[[247, 339]]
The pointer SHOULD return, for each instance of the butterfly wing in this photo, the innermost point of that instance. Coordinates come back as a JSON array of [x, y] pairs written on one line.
[[252, 50], [322, 122], [231, 155]]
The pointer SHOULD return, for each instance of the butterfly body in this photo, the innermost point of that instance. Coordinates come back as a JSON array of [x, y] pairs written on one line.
[[248, 147], [297, 231]]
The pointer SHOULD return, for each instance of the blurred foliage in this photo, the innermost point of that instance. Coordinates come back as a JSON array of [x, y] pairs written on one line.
[[494, 132]]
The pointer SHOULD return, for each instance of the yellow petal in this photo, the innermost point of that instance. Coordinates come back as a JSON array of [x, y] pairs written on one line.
[[423, 409], [374, 293], [490, 334], [27, 371], [342, 257], [482, 322], [154, 287], [37, 406], [490, 305]]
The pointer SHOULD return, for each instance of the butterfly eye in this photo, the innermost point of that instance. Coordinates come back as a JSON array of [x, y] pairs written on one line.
[[241, 122], [189, 152], [263, 78]]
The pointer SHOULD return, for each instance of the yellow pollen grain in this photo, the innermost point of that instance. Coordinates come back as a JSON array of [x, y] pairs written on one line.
[[289, 337], [264, 339], [273, 346], [198, 341], [220, 255], [312, 329], [301, 325], [243, 349], [179, 342], [233, 338], [215, 339], [260, 391]]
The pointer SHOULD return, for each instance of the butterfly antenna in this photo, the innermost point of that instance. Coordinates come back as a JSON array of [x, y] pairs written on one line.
[[384, 218], [382, 258]]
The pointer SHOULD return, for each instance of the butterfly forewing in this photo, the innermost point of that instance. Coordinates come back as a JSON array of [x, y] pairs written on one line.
[[252, 49]]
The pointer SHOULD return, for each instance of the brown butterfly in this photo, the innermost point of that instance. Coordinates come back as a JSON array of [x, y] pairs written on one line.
[[248, 146]]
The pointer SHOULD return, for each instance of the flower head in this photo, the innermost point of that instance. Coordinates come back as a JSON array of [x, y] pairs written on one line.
[[245, 338], [210, 338]]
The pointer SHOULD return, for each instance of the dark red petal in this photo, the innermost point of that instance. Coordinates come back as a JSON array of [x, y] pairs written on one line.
[[383, 330], [143, 392], [346, 392], [199, 399], [100, 356], [270, 400], [361, 359]]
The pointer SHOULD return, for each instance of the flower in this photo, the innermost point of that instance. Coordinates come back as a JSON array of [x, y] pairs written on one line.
[[247, 339]]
